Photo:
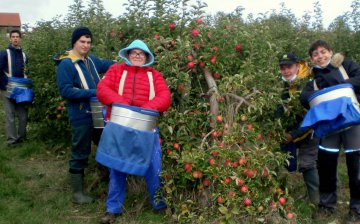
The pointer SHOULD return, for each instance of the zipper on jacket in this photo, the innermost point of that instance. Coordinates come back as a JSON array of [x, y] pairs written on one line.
[[134, 81]]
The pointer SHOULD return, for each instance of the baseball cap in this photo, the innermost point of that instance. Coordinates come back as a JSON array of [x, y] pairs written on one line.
[[288, 59]]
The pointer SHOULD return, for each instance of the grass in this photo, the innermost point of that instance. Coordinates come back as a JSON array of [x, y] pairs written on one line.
[[34, 189]]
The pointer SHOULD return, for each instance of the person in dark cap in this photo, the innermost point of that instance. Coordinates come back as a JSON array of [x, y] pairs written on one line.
[[77, 77], [301, 144]]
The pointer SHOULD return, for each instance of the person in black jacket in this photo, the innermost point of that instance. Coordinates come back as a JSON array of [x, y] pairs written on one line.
[[12, 65], [327, 72]]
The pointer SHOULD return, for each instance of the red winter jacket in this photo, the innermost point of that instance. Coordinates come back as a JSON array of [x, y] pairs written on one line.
[[136, 88]]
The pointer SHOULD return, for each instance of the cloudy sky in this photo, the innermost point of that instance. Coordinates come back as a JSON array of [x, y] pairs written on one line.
[[36, 10]]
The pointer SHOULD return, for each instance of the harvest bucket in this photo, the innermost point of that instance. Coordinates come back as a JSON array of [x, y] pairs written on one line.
[[134, 117], [97, 112]]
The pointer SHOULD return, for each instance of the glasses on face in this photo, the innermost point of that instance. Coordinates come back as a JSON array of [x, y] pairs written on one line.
[[135, 54]]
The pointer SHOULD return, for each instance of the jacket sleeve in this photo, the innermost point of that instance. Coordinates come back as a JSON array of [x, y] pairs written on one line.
[[353, 71], [101, 65], [306, 92], [107, 92], [65, 76], [162, 99], [3, 61]]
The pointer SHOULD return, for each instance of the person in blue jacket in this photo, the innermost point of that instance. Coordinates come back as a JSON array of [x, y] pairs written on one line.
[[12, 64], [77, 78]]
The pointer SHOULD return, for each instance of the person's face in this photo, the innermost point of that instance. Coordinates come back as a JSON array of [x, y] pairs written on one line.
[[82, 46], [15, 39], [137, 57], [288, 71], [321, 56]]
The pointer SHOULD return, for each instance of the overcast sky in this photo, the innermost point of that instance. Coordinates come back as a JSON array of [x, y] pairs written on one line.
[[36, 10]]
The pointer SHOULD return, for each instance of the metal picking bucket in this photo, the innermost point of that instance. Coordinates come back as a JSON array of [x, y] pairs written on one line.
[[134, 117], [97, 112]]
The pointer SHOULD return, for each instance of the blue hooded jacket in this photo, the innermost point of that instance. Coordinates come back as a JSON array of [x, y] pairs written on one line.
[[71, 88]]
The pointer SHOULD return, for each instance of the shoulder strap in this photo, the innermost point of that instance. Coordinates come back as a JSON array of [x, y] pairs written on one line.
[[343, 72], [315, 85], [81, 76], [122, 82], [151, 83], [94, 67], [10, 64], [9, 74]]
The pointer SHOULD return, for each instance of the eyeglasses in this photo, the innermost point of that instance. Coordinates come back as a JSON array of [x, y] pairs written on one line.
[[135, 54]]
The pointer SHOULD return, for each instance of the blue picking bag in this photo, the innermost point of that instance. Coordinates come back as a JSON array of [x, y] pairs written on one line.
[[19, 90], [331, 110], [127, 143], [21, 95]]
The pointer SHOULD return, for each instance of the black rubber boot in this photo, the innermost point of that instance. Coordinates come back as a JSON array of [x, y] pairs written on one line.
[[78, 196], [311, 179]]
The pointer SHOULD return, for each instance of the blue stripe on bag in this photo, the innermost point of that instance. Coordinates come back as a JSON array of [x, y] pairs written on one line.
[[125, 149]]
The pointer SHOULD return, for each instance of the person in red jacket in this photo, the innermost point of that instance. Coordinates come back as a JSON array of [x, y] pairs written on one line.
[[135, 94]]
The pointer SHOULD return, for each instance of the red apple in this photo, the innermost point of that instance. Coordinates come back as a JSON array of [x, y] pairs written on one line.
[[191, 65], [240, 182], [187, 167], [215, 153], [196, 46], [242, 161], [282, 200], [212, 161], [247, 202], [215, 134], [171, 26], [213, 59], [216, 76], [194, 32], [290, 215], [199, 21], [206, 182], [244, 189], [176, 146], [238, 47], [197, 174], [220, 200]]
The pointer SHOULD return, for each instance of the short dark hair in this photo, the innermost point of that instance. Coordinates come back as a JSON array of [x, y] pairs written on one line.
[[317, 44], [15, 31]]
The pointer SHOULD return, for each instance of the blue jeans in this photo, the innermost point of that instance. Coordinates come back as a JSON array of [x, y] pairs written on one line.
[[117, 184]]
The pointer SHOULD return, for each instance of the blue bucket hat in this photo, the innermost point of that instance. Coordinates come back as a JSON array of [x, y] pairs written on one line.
[[124, 53]]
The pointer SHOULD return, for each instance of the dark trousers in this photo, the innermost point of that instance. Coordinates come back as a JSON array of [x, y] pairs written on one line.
[[328, 160], [81, 146]]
